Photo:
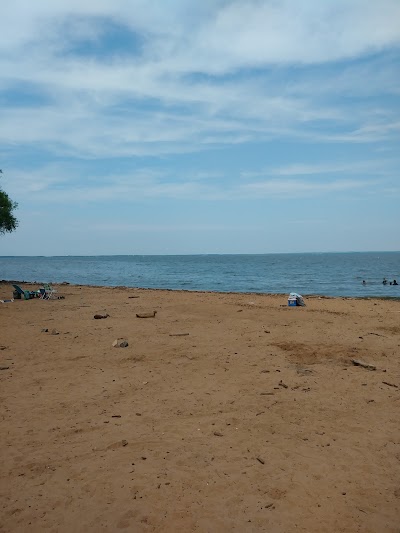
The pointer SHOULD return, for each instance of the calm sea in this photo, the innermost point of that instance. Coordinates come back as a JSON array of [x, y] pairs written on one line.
[[330, 274]]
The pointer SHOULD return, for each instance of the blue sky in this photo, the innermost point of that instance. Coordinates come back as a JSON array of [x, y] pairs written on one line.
[[179, 126]]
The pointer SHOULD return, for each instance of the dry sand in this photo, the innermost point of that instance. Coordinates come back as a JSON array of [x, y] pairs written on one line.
[[225, 413]]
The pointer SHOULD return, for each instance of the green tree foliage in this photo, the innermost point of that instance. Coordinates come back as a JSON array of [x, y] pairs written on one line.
[[8, 222]]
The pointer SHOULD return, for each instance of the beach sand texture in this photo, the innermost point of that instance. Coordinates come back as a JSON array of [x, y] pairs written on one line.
[[225, 413]]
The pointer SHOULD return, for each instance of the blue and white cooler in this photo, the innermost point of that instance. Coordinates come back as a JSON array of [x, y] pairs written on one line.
[[295, 300]]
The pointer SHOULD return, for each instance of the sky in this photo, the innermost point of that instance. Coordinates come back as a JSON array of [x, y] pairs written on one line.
[[188, 127]]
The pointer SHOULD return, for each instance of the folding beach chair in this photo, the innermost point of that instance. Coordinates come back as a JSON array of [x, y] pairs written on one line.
[[47, 293]]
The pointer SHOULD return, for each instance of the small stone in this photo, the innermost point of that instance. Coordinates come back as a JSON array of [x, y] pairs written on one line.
[[218, 434], [4, 367], [120, 343], [124, 442], [98, 317], [45, 330], [54, 332]]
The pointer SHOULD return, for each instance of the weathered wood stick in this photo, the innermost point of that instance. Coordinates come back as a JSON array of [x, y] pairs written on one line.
[[357, 362], [146, 315]]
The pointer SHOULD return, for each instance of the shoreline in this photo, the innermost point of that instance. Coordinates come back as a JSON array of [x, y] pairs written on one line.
[[194, 291]]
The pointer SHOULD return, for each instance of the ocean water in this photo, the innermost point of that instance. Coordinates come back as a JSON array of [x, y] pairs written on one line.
[[329, 274]]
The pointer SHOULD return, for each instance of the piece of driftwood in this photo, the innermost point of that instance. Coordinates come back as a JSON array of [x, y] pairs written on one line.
[[178, 334], [357, 362], [146, 315], [390, 384]]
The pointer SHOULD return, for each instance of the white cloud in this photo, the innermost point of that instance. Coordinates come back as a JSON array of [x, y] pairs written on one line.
[[52, 186], [360, 167], [205, 74], [296, 188], [222, 35]]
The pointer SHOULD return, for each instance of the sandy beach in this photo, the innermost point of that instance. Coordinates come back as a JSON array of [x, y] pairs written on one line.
[[225, 413]]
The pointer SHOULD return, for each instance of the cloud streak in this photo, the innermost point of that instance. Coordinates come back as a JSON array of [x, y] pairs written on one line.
[[185, 80]]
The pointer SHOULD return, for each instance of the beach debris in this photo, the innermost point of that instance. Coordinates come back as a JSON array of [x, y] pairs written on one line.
[[124, 442], [178, 334], [98, 317], [218, 434], [133, 296], [146, 315], [3, 347], [281, 384], [358, 362], [115, 416], [266, 393], [4, 367], [390, 384], [260, 460], [45, 330], [120, 343], [54, 332], [304, 371]]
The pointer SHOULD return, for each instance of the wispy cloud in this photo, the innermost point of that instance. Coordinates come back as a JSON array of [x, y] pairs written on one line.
[[52, 185], [322, 169], [179, 76], [296, 188]]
